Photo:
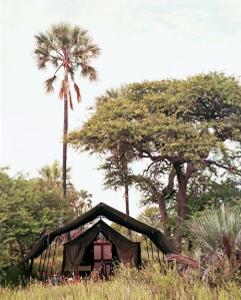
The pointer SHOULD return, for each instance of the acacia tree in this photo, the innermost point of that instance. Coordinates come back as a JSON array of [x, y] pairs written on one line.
[[186, 124], [68, 50], [190, 126]]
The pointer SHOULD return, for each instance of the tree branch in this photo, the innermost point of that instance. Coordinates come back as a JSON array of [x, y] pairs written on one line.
[[220, 165]]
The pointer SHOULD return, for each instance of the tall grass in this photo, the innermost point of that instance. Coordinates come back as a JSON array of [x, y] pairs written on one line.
[[129, 284]]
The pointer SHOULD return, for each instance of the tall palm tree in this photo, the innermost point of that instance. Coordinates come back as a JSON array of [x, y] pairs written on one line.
[[70, 50]]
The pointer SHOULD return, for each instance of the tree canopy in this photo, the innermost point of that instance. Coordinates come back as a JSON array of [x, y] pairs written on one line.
[[187, 125]]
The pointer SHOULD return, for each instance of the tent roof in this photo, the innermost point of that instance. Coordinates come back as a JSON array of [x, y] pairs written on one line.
[[102, 227], [112, 214]]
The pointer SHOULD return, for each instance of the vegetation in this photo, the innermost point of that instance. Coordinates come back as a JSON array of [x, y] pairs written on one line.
[[148, 283], [31, 207], [70, 50], [218, 234]]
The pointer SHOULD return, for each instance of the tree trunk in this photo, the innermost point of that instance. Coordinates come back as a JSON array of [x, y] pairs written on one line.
[[127, 199], [126, 194], [163, 213], [65, 132], [181, 206]]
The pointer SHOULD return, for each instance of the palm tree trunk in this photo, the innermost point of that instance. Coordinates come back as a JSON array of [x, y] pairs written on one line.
[[65, 132]]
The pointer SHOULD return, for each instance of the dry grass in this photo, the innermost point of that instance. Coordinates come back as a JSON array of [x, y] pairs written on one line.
[[129, 284]]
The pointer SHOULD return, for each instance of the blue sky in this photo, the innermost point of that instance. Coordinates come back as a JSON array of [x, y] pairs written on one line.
[[140, 40]]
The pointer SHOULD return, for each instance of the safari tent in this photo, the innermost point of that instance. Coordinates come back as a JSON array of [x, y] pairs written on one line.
[[81, 253], [100, 243]]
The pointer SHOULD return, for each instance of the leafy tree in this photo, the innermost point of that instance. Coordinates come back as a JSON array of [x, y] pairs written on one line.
[[117, 175], [185, 125], [151, 216], [67, 49], [155, 190], [206, 191], [26, 211], [115, 148], [81, 202]]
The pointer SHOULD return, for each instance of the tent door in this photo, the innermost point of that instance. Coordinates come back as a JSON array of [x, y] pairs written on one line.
[[103, 257]]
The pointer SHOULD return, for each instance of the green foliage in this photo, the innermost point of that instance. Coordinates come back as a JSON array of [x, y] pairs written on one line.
[[80, 201], [26, 210], [172, 120], [13, 275], [219, 230], [114, 174], [205, 191], [51, 176], [151, 216]]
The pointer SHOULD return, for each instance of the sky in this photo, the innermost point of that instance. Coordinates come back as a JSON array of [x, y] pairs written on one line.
[[140, 40]]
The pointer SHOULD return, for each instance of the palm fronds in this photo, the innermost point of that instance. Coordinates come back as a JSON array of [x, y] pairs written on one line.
[[219, 229], [62, 89], [77, 90], [69, 48], [49, 84], [70, 101]]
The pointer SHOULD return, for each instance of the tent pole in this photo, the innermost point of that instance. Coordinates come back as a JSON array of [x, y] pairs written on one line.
[[152, 254], [41, 276], [39, 267], [52, 266], [147, 249], [30, 268], [49, 254], [158, 254]]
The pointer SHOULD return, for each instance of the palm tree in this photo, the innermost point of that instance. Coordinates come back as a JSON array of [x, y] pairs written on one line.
[[67, 49], [219, 230], [51, 174]]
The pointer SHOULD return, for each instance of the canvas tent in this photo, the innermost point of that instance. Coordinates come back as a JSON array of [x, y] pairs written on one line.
[[110, 213], [77, 252]]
